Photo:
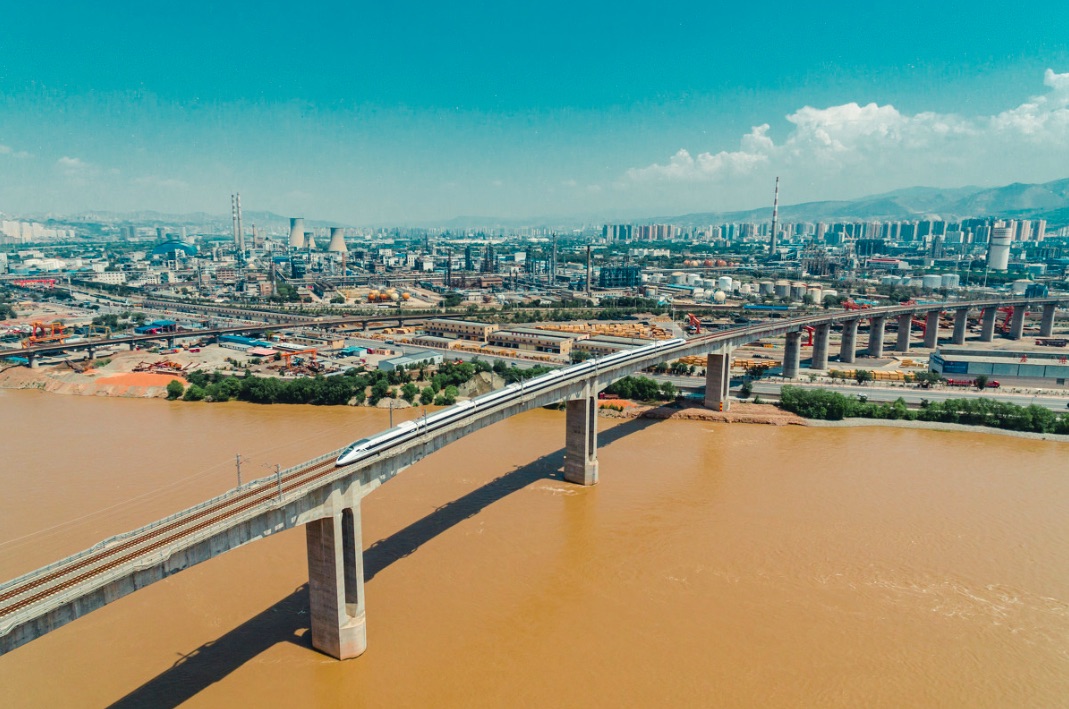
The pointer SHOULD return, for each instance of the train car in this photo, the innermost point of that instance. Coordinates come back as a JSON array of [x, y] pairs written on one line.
[[361, 448]]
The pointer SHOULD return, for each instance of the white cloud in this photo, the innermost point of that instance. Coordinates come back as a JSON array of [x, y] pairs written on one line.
[[8, 150], [167, 183], [878, 140], [74, 167]]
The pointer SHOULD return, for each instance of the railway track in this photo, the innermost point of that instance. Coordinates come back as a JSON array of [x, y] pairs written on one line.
[[153, 539]]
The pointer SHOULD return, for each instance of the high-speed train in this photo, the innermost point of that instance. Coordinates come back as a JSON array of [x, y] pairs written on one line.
[[407, 430]]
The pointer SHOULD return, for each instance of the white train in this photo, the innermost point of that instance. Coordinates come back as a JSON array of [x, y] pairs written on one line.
[[409, 429]]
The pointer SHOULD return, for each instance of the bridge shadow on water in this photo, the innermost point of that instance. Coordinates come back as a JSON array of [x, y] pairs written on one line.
[[288, 620]]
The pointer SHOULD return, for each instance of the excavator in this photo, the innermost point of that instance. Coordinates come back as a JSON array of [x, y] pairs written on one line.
[[694, 324]]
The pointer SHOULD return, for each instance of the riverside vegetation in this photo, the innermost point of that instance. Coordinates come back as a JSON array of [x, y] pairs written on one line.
[[832, 406]]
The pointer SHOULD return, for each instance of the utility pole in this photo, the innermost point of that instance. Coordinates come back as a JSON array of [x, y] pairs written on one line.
[[278, 477], [237, 461]]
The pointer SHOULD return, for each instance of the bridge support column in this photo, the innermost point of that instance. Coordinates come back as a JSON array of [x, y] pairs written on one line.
[[1046, 325], [1017, 322], [718, 382], [820, 347], [905, 329], [581, 439], [336, 584], [89, 352], [961, 321], [876, 336], [32, 360], [848, 347], [987, 324], [931, 330], [170, 343], [792, 355]]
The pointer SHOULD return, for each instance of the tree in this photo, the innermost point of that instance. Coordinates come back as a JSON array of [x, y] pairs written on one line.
[[426, 396], [863, 375], [175, 389], [193, 393], [409, 392], [981, 381]]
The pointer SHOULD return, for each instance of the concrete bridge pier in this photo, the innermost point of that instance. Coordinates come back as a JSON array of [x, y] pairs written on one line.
[[1046, 325], [581, 438], [820, 347], [987, 324], [876, 335], [718, 381], [961, 321], [905, 329], [792, 355], [848, 347], [931, 330], [1017, 322], [336, 584], [32, 360]]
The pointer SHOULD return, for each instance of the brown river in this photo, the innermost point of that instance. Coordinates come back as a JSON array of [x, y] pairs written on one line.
[[714, 565]]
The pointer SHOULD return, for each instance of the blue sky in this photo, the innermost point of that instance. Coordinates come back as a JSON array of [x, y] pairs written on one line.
[[402, 113]]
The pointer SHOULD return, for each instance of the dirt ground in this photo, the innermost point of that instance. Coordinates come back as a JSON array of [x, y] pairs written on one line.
[[739, 413]]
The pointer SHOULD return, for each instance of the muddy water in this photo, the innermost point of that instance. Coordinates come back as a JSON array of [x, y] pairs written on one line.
[[724, 565]]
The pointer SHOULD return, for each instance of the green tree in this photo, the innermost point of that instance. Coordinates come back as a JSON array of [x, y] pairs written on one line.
[[175, 389], [862, 376], [409, 392], [426, 396], [981, 381], [194, 393]]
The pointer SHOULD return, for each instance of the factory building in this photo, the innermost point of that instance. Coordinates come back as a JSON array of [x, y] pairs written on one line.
[[415, 359], [532, 340], [460, 329], [1000, 364]]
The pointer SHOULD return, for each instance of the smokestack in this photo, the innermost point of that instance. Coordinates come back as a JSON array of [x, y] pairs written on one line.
[[337, 240], [297, 233], [241, 229], [234, 217], [775, 215]]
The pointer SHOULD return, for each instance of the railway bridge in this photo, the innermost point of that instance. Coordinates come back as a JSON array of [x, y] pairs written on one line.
[[325, 498]]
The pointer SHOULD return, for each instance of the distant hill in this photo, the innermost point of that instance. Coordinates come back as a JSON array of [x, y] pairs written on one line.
[[1048, 201]]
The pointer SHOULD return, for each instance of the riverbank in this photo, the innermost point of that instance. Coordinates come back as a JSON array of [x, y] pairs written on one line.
[[740, 412], [114, 381], [934, 426]]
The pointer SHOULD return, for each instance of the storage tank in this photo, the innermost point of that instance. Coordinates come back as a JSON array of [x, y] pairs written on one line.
[[709, 284], [932, 280], [657, 278], [372, 295], [911, 282], [998, 248], [816, 293], [830, 292], [889, 280], [797, 290], [698, 293], [719, 297], [679, 278], [950, 280], [765, 288], [783, 289], [693, 279], [724, 283], [651, 291], [1019, 286], [745, 288]]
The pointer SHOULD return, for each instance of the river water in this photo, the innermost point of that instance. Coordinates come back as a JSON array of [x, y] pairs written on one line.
[[714, 565]]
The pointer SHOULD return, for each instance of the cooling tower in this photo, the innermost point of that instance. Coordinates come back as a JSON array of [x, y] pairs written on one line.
[[297, 233], [337, 240], [310, 240]]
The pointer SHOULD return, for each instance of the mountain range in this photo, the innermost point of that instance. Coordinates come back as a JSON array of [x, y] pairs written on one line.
[[1048, 200]]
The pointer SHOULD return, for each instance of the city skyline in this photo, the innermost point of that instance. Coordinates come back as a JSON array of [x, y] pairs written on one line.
[[548, 111]]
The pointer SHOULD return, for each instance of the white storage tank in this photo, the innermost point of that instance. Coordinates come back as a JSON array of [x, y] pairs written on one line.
[[912, 282], [745, 288], [709, 283], [830, 293], [951, 280], [698, 293], [766, 288], [1019, 286], [693, 279], [783, 289], [719, 297], [724, 283], [932, 280], [657, 278], [651, 291], [889, 281], [679, 278], [797, 290], [816, 293]]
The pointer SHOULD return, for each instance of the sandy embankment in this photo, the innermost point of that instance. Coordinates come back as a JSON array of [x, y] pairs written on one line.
[[740, 412], [113, 379]]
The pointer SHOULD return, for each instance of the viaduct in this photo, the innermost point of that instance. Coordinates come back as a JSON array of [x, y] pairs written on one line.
[[325, 498]]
